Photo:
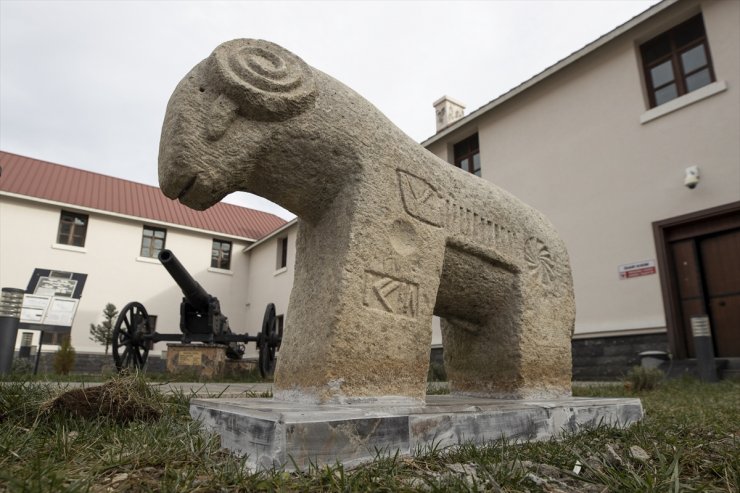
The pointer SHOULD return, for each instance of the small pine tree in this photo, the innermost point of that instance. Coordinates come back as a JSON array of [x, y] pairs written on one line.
[[103, 333], [64, 358]]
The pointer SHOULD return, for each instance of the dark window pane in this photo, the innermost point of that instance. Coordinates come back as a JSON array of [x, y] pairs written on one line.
[[226, 247], [665, 94], [462, 148], [282, 252], [464, 165], [159, 234], [657, 48], [689, 31], [662, 74], [693, 59], [476, 164], [697, 80]]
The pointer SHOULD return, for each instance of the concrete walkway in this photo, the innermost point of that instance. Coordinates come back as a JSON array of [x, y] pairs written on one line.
[[191, 389], [235, 389]]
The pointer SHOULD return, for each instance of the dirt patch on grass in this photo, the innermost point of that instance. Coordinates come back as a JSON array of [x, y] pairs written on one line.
[[122, 400]]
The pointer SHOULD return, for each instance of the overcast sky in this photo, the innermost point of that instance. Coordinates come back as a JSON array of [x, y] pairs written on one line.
[[85, 83]]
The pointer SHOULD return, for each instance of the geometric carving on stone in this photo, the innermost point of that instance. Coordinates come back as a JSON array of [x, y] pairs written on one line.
[[391, 295], [539, 260], [420, 199]]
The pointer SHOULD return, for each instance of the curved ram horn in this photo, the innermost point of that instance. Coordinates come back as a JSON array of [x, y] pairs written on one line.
[[266, 81]]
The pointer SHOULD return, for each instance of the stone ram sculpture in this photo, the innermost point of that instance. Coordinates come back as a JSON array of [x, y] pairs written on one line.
[[388, 235]]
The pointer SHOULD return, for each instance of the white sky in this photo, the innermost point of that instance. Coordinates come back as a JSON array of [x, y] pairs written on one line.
[[85, 83]]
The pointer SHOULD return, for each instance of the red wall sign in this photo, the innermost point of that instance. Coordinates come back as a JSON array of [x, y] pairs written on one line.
[[637, 269]]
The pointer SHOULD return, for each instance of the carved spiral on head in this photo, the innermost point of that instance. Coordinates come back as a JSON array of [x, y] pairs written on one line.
[[266, 81]]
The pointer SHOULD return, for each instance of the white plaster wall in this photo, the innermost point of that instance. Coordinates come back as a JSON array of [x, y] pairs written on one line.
[[267, 284], [573, 147], [28, 233]]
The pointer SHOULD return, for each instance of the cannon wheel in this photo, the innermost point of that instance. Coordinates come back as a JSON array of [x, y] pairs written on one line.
[[129, 348], [269, 342]]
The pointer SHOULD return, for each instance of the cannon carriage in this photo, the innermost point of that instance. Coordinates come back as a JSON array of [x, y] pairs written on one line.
[[201, 320]]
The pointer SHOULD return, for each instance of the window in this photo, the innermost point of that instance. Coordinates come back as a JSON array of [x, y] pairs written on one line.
[[152, 241], [221, 254], [279, 321], [26, 339], [54, 338], [72, 229], [677, 62], [282, 253], [467, 155]]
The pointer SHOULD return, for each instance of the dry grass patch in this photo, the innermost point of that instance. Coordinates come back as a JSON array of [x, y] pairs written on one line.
[[122, 400]]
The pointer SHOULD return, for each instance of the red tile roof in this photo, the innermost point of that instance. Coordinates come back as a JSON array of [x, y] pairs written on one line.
[[31, 177]]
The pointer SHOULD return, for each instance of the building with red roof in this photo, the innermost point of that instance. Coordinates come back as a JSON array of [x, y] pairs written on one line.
[[102, 234]]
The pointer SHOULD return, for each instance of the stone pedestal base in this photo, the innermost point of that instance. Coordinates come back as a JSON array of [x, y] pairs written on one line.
[[237, 368], [278, 433], [203, 360]]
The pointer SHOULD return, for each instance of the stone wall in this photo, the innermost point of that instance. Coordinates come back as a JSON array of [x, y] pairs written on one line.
[[92, 363], [602, 358], [610, 358]]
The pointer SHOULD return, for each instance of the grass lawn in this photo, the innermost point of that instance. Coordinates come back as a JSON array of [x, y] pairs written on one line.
[[688, 441]]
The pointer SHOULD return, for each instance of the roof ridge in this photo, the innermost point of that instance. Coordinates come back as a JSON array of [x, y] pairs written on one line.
[[97, 191]]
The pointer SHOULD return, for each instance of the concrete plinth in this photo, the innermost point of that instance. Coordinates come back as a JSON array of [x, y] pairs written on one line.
[[279, 433], [205, 360]]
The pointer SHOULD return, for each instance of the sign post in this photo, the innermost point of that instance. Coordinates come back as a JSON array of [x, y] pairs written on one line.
[[50, 303], [704, 348]]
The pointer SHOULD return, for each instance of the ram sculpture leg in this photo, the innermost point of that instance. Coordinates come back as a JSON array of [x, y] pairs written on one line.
[[506, 329], [360, 311]]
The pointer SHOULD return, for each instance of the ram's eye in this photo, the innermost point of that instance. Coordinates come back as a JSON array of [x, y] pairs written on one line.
[[222, 114]]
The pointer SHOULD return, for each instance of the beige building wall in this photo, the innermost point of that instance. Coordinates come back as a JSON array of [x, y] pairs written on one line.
[[268, 283], [582, 147], [116, 273]]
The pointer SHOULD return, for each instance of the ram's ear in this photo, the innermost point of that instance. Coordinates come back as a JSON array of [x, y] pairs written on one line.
[[221, 116]]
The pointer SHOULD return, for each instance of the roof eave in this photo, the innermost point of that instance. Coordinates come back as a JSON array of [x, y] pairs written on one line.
[[271, 235], [147, 220]]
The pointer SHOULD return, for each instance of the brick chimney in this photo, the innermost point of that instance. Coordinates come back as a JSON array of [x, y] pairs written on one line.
[[448, 111]]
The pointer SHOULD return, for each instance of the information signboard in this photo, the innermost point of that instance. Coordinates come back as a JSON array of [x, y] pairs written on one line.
[[637, 269]]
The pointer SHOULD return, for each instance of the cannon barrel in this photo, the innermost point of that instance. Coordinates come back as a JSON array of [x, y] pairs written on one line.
[[193, 292]]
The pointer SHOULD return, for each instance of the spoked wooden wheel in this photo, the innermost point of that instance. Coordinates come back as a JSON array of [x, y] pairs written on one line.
[[269, 342], [130, 349]]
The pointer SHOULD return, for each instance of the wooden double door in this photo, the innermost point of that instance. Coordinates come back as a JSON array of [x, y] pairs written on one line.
[[699, 259]]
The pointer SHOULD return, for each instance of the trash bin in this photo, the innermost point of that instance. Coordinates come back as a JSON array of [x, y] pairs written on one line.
[[653, 359], [11, 300]]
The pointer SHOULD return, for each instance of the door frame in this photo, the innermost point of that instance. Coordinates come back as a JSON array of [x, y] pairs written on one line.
[[692, 225]]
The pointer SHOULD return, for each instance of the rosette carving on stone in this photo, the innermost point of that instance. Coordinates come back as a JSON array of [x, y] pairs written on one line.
[[539, 259], [266, 81]]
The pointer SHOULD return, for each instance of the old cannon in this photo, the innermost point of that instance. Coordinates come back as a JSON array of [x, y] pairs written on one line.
[[201, 320]]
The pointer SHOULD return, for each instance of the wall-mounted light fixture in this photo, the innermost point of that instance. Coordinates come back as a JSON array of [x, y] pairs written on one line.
[[691, 180]]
